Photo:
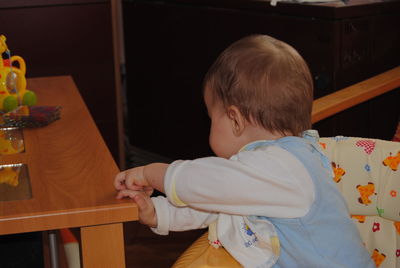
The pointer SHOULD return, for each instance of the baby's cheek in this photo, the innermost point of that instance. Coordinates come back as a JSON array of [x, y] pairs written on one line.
[[215, 146]]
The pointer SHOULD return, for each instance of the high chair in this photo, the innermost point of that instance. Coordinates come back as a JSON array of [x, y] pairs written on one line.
[[367, 173]]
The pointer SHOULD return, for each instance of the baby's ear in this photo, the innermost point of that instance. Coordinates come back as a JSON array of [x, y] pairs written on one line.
[[238, 122]]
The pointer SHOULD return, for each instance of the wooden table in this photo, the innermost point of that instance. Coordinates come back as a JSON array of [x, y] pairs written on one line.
[[71, 174]]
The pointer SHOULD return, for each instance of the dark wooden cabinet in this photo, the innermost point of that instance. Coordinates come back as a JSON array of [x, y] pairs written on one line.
[[69, 37], [171, 44]]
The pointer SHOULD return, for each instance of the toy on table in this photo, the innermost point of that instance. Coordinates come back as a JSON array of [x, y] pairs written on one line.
[[11, 141], [31, 117], [17, 104], [13, 92], [9, 175]]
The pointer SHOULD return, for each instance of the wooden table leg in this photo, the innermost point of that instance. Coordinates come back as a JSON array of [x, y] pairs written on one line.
[[103, 246]]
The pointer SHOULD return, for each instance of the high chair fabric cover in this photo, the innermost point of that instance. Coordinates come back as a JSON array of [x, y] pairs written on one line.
[[367, 173]]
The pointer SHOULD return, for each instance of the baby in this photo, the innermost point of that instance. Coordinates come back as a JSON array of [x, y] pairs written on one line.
[[268, 194]]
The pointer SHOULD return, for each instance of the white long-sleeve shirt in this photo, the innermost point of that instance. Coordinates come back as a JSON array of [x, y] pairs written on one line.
[[267, 181]]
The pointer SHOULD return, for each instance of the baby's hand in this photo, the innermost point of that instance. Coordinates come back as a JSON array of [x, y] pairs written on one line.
[[132, 179], [147, 212]]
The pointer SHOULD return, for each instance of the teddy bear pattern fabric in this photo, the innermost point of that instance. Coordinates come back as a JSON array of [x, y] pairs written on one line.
[[367, 172]]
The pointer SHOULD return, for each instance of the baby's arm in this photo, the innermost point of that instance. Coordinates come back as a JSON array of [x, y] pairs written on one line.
[[163, 217], [137, 183], [172, 218], [144, 178], [272, 183]]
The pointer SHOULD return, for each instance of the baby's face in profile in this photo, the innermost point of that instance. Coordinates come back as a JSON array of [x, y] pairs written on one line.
[[222, 140]]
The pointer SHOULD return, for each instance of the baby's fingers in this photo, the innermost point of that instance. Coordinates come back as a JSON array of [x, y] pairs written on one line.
[[127, 193], [134, 178], [146, 210], [119, 181], [148, 190], [135, 187]]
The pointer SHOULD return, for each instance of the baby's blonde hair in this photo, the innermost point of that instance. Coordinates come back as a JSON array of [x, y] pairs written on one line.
[[267, 80]]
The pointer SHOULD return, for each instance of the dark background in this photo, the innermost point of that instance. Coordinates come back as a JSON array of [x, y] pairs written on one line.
[[171, 44], [68, 37]]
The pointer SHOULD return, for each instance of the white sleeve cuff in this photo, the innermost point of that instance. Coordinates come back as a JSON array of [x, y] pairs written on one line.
[[162, 213]]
